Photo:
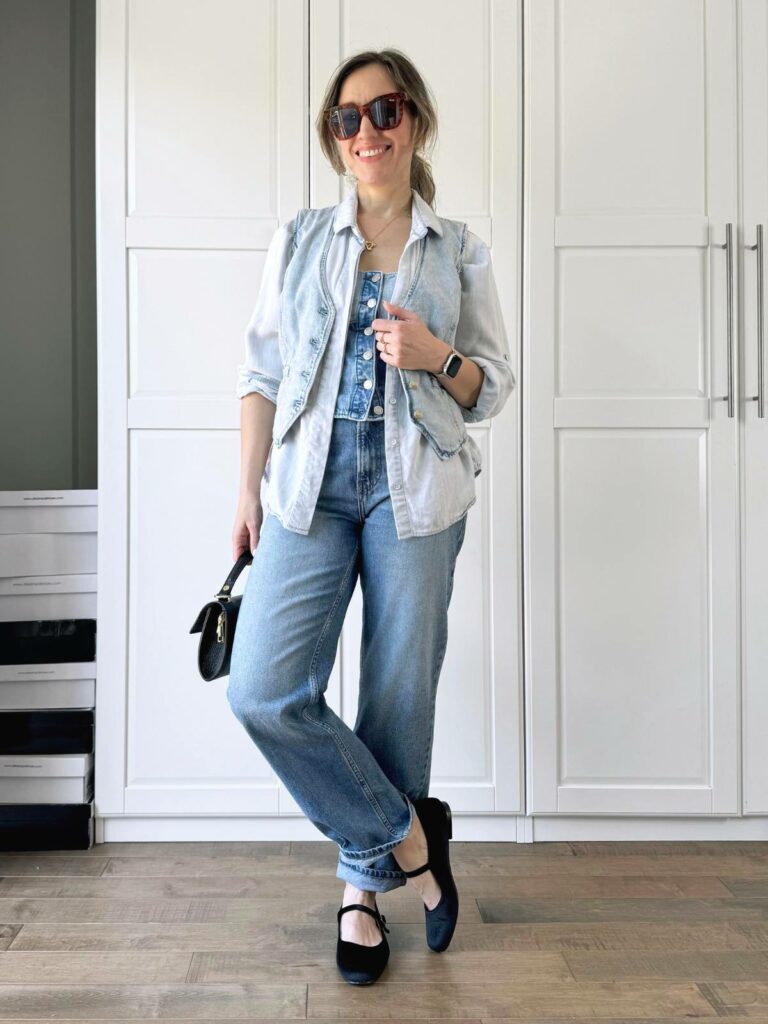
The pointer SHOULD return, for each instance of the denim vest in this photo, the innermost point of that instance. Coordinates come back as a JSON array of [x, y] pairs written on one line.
[[295, 350], [307, 314]]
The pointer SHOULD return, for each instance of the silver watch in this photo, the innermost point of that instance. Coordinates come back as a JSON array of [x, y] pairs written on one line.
[[452, 364]]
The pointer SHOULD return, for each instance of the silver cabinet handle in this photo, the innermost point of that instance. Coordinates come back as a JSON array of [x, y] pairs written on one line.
[[760, 397], [729, 271]]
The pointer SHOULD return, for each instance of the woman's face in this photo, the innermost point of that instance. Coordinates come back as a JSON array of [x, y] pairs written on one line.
[[394, 164]]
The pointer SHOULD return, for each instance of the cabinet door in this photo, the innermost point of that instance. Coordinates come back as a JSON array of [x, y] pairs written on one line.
[[200, 158], [630, 448], [754, 455]]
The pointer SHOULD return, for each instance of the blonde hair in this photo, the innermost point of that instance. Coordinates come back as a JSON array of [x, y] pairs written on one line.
[[422, 107]]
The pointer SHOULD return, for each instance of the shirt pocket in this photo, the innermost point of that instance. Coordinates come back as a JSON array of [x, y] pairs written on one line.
[[436, 415]]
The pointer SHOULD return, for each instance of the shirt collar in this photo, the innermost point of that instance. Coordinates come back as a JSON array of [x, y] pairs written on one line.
[[422, 214]]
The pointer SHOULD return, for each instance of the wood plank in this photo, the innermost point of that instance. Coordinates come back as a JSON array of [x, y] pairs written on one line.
[[137, 1002], [516, 998], [309, 938], [310, 889]]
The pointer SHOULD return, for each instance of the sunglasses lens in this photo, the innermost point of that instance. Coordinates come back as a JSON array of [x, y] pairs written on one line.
[[345, 122], [385, 112]]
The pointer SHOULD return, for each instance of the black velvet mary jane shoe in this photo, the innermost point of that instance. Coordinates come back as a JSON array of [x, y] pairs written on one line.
[[435, 818], [360, 964]]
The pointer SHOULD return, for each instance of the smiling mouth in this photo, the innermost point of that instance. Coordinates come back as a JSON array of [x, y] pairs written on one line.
[[378, 151]]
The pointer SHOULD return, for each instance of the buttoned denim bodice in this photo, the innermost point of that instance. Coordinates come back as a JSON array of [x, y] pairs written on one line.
[[296, 342], [363, 374]]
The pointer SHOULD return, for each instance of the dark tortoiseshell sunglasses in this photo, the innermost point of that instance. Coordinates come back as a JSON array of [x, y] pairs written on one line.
[[385, 112]]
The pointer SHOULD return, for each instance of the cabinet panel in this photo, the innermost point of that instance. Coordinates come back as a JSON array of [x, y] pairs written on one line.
[[201, 155], [632, 516], [754, 453]]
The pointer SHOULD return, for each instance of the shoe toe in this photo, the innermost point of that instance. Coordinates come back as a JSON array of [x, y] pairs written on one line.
[[359, 964]]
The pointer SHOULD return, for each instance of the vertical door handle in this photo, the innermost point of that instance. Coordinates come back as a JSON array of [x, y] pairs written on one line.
[[729, 272], [760, 396]]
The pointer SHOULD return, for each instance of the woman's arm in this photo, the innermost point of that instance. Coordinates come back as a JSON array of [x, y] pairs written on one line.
[[481, 337], [257, 417]]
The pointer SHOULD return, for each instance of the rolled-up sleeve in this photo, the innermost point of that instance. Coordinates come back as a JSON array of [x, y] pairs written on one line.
[[481, 334], [262, 369]]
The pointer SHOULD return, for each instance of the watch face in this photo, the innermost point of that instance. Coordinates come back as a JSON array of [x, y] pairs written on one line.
[[454, 365]]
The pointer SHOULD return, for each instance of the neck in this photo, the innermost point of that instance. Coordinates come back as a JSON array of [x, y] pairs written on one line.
[[382, 202]]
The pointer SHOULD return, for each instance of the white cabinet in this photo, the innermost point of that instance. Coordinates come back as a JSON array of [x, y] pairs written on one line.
[[647, 487], [753, 416], [206, 143]]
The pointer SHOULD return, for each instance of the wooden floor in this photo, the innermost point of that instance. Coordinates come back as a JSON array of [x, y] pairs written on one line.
[[237, 931]]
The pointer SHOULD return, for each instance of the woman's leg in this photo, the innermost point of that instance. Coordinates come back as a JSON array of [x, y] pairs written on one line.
[[407, 586], [296, 595]]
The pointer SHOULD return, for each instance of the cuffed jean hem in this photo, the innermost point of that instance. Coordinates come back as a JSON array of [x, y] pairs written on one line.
[[355, 871], [369, 879]]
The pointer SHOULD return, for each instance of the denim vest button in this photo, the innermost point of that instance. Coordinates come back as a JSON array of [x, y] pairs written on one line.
[[371, 303], [367, 354], [367, 384], [375, 277], [368, 330], [378, 409], [417, 414]]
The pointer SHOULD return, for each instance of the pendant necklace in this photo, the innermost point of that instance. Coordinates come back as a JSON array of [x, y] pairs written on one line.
[[369, 242]]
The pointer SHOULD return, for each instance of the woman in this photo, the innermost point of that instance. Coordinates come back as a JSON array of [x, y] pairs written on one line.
[[352, 374]]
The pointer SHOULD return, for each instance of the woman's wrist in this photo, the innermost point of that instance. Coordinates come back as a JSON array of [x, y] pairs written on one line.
[[442, 351]]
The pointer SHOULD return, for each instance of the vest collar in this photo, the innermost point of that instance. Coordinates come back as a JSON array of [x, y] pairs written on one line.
[[422, 214]]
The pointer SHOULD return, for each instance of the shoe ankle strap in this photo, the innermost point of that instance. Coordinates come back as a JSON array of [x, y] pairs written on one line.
[[418, 871], [361, 906]]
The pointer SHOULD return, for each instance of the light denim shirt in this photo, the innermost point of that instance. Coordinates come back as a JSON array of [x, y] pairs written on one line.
[[294, 353]]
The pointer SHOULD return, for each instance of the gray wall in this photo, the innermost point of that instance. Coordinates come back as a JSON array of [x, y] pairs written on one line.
[[47, 245]]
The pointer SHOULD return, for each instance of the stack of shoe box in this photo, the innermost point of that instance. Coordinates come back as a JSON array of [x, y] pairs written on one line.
[[47, 668]]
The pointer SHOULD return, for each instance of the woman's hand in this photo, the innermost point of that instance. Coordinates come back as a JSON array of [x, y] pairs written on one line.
[[247, 528], [407, 342]]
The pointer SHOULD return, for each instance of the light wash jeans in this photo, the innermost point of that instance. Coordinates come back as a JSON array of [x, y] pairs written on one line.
[[355, 785]]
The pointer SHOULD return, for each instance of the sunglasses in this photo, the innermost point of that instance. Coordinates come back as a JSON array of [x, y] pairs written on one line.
[[385, 112]]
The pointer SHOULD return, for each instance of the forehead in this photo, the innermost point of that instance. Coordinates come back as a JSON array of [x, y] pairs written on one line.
[[364, 84]]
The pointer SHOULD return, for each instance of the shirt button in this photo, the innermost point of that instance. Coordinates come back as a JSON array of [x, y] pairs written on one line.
[[367, 354], [393, 401], [393, 444], [370, 303], [396, 486], [367, 384], [375, 277], [368, 330], [378, 409]]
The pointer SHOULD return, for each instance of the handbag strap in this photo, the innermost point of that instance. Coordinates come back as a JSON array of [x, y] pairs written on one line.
[[245, 559]]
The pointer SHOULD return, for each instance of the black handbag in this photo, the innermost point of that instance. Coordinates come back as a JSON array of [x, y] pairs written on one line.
[[216, 625]]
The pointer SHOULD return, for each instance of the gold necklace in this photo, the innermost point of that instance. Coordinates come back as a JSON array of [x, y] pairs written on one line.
[[369, 242]]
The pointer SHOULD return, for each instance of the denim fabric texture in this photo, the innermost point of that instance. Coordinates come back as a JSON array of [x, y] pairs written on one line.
[[356, 785], [363, 375], [295, 346]]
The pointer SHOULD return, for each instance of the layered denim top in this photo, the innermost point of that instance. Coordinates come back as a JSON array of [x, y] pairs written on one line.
[[364, 372], [295, 347]]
